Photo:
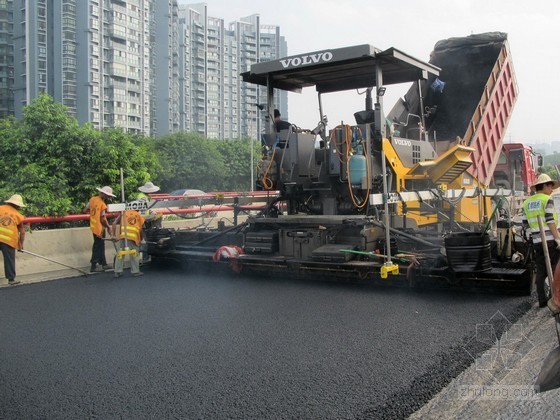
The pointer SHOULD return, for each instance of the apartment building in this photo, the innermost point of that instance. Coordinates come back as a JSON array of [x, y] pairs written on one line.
[[192, 67], [44, 52], [255, 42], [6, 59], [147, 66], [215, 102], [114, 64], [93, 56], [165, 84]]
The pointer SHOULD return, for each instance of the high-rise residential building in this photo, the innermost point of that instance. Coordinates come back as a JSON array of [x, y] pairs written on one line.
[[215, 82], [93, 57], [192, 67], [114, 70], [215, 101], [44, 51], [6, 59], [255, 43], [165, 67], [231, 88], [147, 66]]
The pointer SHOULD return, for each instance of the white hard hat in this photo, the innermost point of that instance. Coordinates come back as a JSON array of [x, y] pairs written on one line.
[[149, 187], [107, 191]]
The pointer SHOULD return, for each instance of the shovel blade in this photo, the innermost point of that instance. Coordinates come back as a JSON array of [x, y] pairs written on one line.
[[549, 376]]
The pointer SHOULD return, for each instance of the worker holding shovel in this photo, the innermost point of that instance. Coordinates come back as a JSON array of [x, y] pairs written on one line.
[[541, 204], [12, 234]]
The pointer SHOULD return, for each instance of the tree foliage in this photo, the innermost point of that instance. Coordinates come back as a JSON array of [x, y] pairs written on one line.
[[188, 160], [56, 164], [551, 171], [237, 161]]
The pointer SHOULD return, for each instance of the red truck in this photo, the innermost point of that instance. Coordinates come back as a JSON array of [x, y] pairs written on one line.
[[517, 168]]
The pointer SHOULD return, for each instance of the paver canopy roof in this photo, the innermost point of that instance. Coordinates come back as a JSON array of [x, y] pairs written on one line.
[[339, 69]]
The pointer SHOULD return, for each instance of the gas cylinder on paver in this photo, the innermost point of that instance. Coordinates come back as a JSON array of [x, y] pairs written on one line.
[[357, 168]]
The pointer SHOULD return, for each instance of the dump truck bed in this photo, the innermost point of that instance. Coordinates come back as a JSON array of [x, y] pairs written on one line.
[[471, 100]]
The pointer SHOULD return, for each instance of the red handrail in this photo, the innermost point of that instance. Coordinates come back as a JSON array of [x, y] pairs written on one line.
[[163, 196], [164, 212], [54, 219]]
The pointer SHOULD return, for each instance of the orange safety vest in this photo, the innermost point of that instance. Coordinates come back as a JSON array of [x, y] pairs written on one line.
[[10, 218], [134, 222], [96, 207]]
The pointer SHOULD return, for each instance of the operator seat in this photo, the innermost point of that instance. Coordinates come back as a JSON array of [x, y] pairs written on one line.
[[368, 117], [365, 117]]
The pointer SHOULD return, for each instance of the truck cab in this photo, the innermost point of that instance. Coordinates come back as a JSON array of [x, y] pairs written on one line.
[[517, 168]]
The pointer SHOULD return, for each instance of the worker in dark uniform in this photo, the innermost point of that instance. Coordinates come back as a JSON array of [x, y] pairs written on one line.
[[12, 234], [541, 204], [279, 123]]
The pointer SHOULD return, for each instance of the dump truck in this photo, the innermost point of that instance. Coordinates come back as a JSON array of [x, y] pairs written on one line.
[[517, 168], [403, 197]]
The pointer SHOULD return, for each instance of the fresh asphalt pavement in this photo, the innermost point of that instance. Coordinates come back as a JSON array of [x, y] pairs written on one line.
[[172, 344]]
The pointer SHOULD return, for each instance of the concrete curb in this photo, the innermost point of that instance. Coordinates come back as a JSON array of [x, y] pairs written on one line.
[[70, 246]]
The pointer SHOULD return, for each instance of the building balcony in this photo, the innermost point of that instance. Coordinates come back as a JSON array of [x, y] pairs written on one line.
[[135, 124], [133, 87], [116, 59], [117, 85], [112, 69], [117, 32]]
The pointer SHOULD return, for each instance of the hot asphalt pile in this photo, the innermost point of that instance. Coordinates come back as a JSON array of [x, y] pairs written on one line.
[[171, 345]]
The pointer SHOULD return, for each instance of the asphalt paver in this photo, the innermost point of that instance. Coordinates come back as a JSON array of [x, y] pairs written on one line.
[[173, 344]]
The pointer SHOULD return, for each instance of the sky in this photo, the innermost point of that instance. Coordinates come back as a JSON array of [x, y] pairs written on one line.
[[414, 26]]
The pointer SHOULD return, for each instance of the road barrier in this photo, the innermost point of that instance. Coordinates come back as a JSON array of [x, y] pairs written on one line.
[[72, 246]]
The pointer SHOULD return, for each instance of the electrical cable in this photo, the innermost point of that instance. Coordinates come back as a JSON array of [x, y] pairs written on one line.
[[268, 184]]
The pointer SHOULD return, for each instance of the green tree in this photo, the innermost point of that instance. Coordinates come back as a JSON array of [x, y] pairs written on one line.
[[551, 171], [237, 160], [188, 160], [132, 154], [56, 164]]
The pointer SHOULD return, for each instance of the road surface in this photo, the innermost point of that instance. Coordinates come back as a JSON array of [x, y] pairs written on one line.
[[177, 345]]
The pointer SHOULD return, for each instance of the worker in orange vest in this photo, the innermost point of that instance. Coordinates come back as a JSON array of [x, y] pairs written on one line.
[[97, 208], [12, 234], [131, 223]]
